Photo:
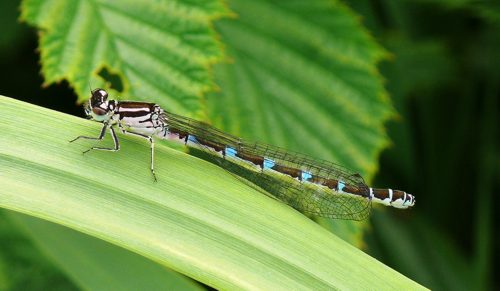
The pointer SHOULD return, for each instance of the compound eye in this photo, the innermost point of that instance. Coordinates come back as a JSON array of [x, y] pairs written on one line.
[[98, 96], [98, 111]]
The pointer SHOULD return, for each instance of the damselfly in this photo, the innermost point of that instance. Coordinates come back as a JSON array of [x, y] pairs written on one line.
[[311, 186]]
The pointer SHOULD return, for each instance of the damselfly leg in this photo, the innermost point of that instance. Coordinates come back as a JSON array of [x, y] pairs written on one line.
[[99, 138], [117, 143], [151, 141]]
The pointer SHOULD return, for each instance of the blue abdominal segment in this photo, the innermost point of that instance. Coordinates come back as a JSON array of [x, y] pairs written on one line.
[[230, 152], [268, 164], [341, 186], [306, 175]]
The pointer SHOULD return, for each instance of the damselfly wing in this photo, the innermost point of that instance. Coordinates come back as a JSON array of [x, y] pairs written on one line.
[[306, 184]]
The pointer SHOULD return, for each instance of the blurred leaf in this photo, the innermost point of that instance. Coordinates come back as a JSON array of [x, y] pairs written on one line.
[[489, 10], [434, 261], [487, 175], [4, 281], [304, 77], [161, 50], [97, 265], [416, 67], [198, 219], [22, 267], [12, 35]]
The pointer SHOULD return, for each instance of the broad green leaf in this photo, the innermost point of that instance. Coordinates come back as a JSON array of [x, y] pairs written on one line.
[[303, 76], [161, 50], [95, 264], [198, 219]]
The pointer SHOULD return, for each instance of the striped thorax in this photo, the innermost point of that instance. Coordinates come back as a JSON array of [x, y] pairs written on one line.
[[139, 117]]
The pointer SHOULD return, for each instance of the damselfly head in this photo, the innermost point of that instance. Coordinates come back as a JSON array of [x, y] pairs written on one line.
[[98, 107], [98, 97], [98, 102]]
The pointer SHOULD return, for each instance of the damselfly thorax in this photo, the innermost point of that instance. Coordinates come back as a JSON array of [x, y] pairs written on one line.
[[315, 187]]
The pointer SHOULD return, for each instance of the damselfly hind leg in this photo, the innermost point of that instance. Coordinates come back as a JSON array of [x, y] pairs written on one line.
[[151, 141]]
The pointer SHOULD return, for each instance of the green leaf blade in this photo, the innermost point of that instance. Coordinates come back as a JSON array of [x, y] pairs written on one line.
[[198, 219], [95, 264]]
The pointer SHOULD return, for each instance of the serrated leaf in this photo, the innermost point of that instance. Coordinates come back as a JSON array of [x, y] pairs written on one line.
[[161, 49], [198, 219], [303, 76], [303, 71]]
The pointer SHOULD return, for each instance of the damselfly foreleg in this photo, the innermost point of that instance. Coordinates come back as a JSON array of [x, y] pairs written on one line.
[[100, 137]]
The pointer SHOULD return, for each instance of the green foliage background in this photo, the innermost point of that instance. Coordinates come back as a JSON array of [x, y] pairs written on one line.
[[312, 76]]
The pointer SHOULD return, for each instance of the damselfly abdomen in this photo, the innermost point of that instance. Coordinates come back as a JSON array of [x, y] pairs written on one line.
[[314, 187]]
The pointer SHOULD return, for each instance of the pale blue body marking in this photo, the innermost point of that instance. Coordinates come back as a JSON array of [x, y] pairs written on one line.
[[306, 175], [192, 138], [230, 152], [268, 163], [341, 186]]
